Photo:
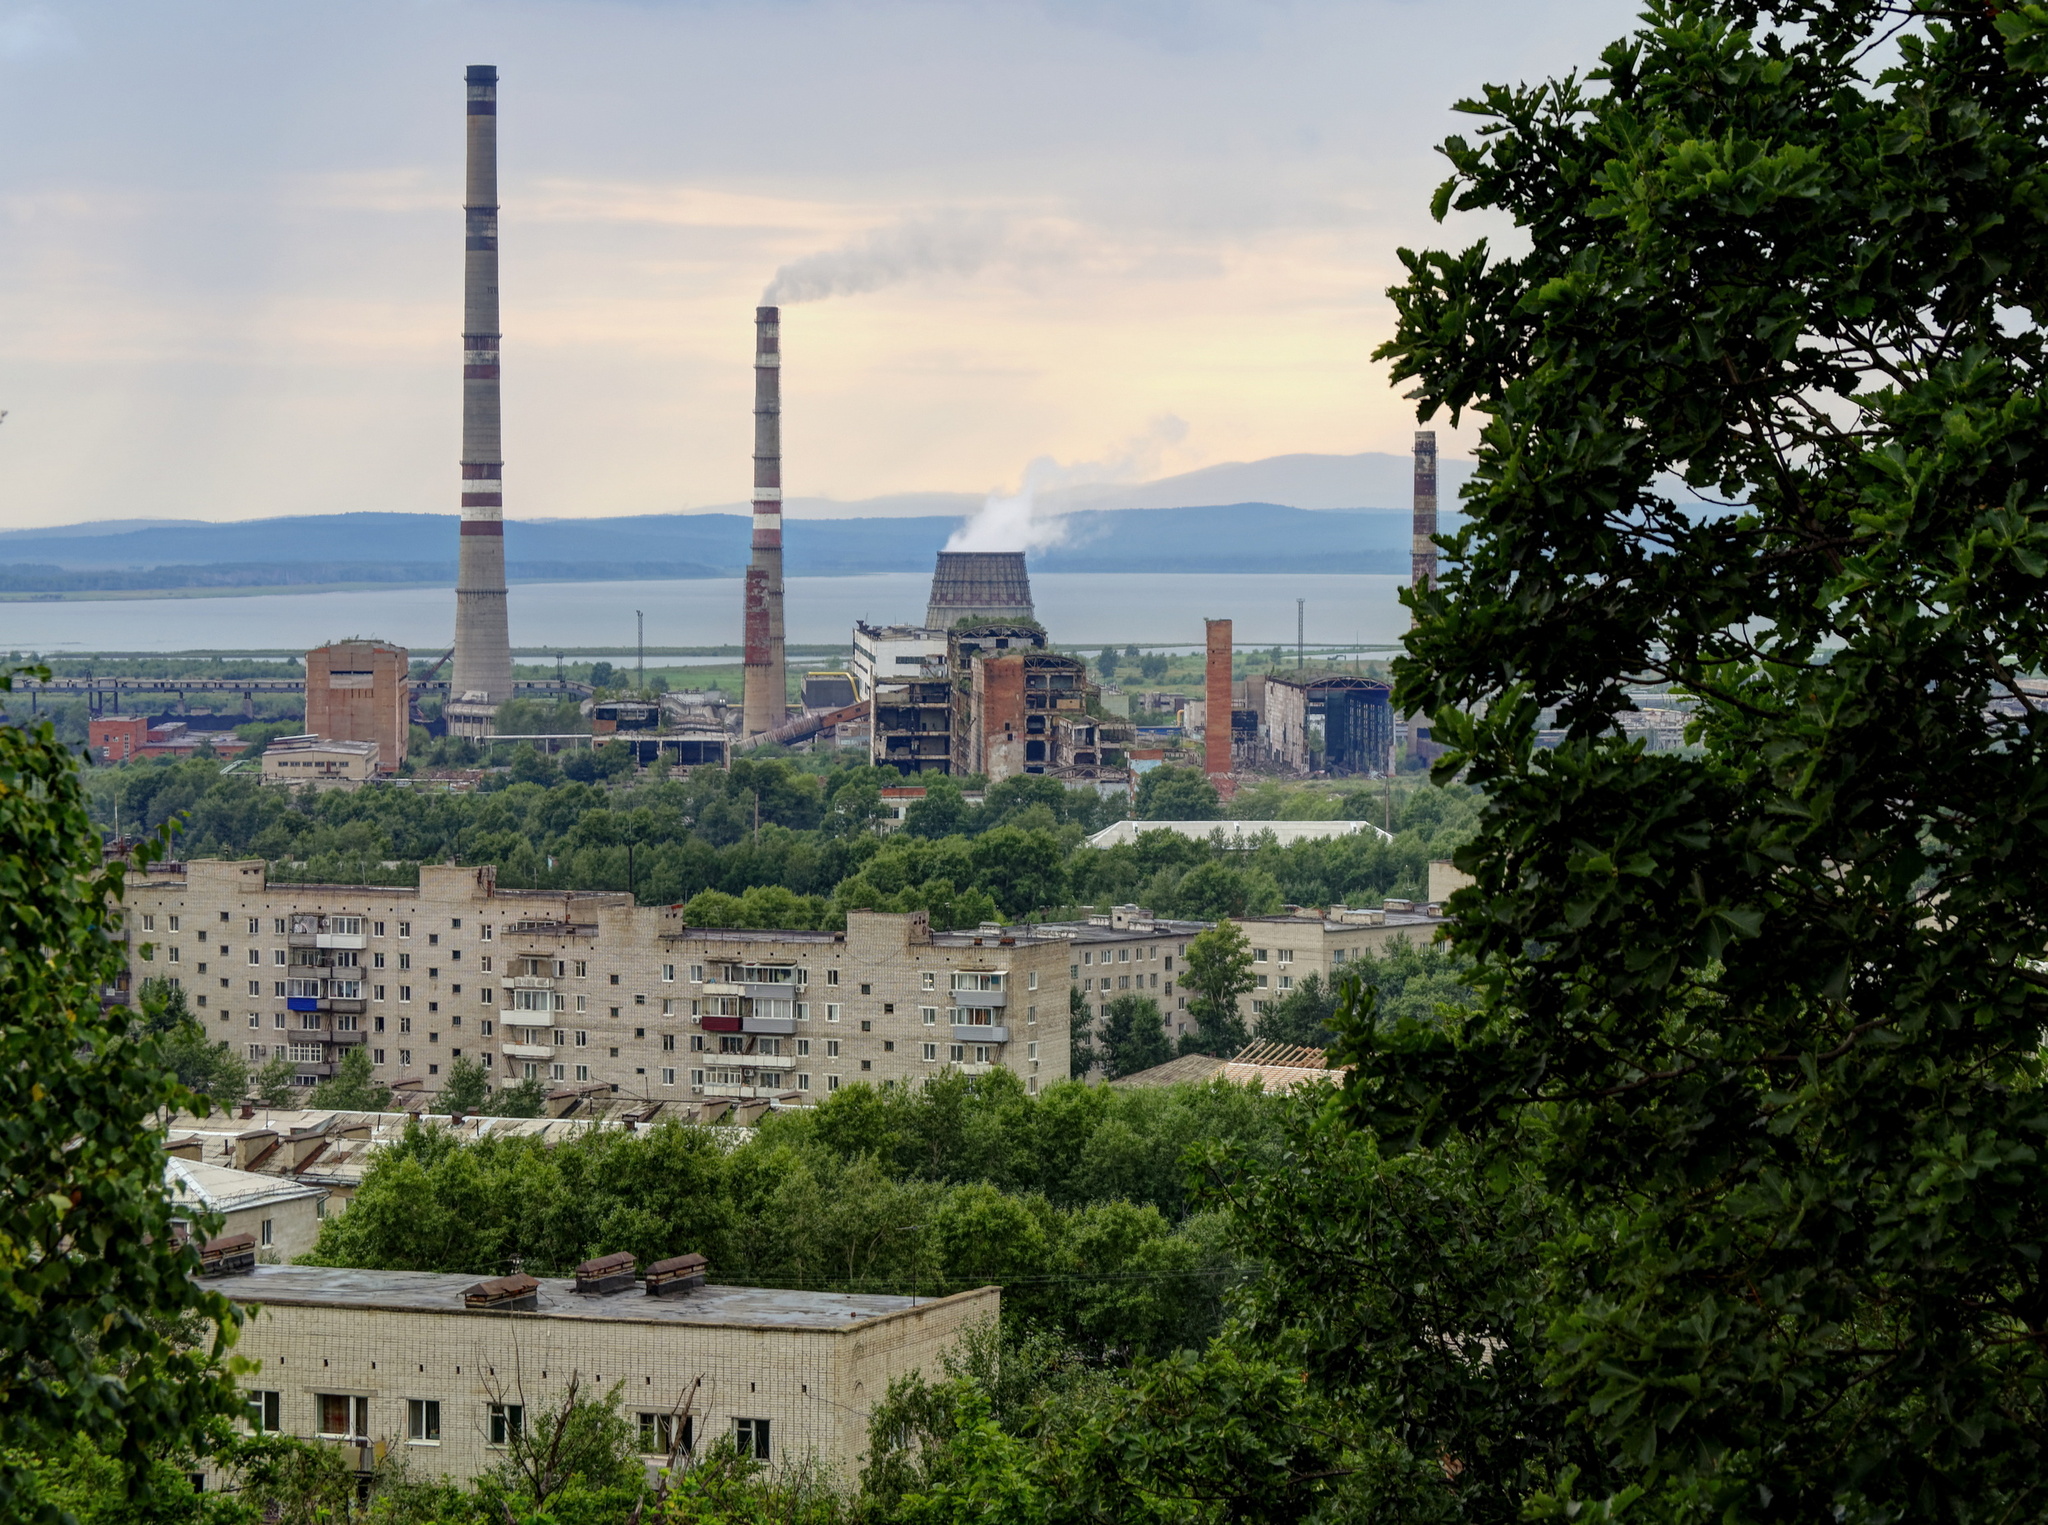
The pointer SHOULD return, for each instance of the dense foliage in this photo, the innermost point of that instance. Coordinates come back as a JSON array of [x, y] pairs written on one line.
[[1764, 1020], [93, 1282], [813, 856]]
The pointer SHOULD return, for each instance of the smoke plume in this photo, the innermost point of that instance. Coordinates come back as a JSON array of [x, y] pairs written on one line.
[[1020, 522], [958, 243]]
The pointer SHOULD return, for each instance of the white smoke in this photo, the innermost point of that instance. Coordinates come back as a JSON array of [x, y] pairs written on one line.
[[1020, 522], [954, 243]]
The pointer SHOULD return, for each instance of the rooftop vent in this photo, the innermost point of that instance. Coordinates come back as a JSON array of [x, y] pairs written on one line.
[[517, 1293], [607, 1274], [229, 1255], [673, 1278], [1398, 905]]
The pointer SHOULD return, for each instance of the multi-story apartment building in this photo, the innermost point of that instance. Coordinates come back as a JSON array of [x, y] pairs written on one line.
[[590, 989]]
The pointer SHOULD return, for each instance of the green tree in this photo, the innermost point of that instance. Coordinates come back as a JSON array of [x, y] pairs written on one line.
[[1218, 973], [93, 1278], [941, 813], [468, 1088], [1023, 870], [1177, 794], [1133, 1036], [276, 1084], [353, 1087], [1302, 1016], [1766, 1015], [1082, 1053], [529, 1098]]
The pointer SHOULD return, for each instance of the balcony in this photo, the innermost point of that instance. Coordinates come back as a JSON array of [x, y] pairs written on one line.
[[345, 1038], [758, 1024], [348, 1005], [970, 1032], [727, 1088], [980, 998], [514, 1017], [320, 1069], [527, 1050], [528, 982], [722, 1024], [339, 940], [302, 939], [714, 987]]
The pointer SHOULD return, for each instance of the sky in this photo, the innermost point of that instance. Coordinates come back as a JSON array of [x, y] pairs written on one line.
[[1128, 238]]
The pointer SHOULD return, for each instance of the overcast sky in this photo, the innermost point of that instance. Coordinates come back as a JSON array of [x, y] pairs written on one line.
[[1151, 234]]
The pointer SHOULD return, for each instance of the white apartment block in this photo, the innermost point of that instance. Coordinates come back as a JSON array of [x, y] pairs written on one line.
[[589, 989], [443, 1370]]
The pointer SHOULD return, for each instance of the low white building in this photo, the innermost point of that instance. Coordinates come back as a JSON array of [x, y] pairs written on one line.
[[282, 1216], [1235, 834], [315, 762]]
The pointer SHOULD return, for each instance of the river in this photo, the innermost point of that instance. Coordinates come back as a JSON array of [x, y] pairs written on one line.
[[1077, 608]]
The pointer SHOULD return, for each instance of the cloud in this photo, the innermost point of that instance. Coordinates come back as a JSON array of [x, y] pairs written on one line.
[[1019, 521], [34, 34]]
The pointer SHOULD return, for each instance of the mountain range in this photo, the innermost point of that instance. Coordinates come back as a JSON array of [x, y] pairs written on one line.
[[1164, 526]]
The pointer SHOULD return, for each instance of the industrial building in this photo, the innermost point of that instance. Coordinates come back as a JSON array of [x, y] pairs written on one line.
[[1352, 718], [442, 1369], [123, 738], [361, 691], [884, 654], [315, 762], [981, 587], [482, 678], [588, 988], [1027, 712]]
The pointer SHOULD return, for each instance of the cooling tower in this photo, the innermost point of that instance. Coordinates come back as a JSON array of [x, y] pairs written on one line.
[[483, 646], [979, 585]]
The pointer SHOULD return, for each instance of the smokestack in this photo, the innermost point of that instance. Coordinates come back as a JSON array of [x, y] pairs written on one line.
[[482, 679], [1216, 704], [1423, 570], [991, 586], [766, 701]]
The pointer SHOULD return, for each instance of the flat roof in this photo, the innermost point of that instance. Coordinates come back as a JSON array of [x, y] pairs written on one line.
[[441, 1292]]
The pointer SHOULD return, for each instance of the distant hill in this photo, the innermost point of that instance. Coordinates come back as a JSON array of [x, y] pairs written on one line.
[[1238, 537]]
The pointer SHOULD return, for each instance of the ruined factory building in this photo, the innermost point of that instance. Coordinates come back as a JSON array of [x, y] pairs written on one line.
[[446, 1370], [1235, 834]]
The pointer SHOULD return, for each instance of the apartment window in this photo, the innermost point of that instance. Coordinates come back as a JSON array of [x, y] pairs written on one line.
[[888, 1045], [277, 1017], [405, 929], [507, 1420], [831, 1082], [931, 1053], [696, 1077], [803, 1048], [405, 1057], [487, 932], [930, 1015], [255, 955], [1031, 1052], [278, 956], [1031, 980], [696, 974], [831, 1048], [377, 929], [660, 1434], [668, 1077], [1261, 981], [668, 1043], [405, 960], [149, 924], [376, 1056], [255, 987], [264, 1232], [615, 979], [1286, 955], [831, 976], [558, 1072], [752, 1437], [174, 923], [668, 974], [1030, 1016], [803, 1082], [928, 981], [867, 990], [638, 1000], [486, 964], [342, 1416], [1258, 955], [265, 1415], [582, 1002], [423, 1421], [258, 1051], [1031, 1086], [958, 1053], [174, 955], [582, 1072], [433, 939], [405, 992], [1286, 982], [377, 992], [1123, 955], [831, 1012]]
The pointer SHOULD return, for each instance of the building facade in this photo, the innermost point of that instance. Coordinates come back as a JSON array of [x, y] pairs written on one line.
[[412, 1362], [314, 762], [589, 989], [361, 691]]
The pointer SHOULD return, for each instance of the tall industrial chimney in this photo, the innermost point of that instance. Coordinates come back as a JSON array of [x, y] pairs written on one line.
[[1423, 570], [482, 679], [766, 699], [1216, 704]]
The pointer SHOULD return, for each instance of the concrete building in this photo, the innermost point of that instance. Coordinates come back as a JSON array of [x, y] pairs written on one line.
[[437, 1368], [361, 691], [1343, 723], [314, 762], [282, 1216], [588, 989], [482, 677], [979, 586], [886, 654], [1027, 712]]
